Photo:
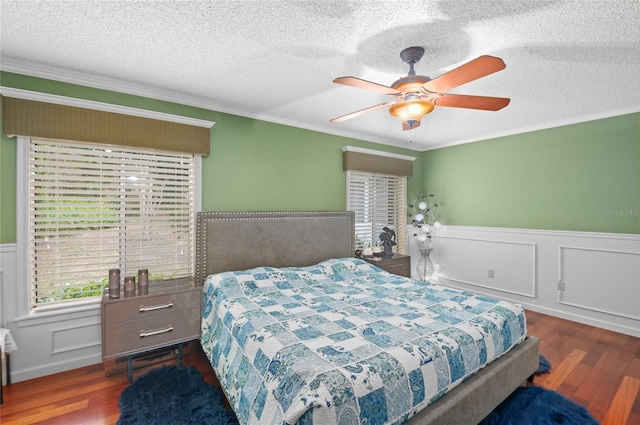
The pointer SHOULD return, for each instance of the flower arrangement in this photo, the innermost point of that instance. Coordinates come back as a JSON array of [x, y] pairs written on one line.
[[423, 211]]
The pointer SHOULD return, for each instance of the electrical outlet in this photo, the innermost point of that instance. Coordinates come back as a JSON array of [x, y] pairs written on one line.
[[491, 273]]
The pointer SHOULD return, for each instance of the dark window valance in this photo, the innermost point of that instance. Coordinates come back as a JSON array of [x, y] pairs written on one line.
[[23, 117], [357, 159]]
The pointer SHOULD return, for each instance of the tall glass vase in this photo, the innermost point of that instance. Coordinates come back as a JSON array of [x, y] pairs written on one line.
[[423, 239], [425, 266]]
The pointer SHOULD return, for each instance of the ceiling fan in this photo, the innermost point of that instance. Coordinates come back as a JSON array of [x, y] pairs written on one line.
[[417, 95]]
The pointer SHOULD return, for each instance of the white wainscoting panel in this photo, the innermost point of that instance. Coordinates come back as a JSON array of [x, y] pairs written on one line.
[[616, 278], [48, 342], [76, 337], [499, 265], [591, 278]]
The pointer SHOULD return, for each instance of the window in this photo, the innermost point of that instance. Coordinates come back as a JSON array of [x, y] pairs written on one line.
[[93, 208], [378, 201]]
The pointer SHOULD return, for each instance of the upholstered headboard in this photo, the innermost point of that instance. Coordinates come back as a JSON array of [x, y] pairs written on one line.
[[229, 241]]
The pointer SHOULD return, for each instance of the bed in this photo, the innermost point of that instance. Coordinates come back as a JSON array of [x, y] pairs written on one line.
[[299, 331]]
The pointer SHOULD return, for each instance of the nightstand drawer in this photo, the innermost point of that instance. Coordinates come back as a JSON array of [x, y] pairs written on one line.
[[123, 338], [149, 306], [400, 265]]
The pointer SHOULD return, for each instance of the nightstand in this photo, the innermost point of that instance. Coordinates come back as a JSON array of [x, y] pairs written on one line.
[[399, 264], [169, 315]]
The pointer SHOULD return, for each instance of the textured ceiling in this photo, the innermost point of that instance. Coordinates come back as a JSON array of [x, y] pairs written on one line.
[[567, 61]]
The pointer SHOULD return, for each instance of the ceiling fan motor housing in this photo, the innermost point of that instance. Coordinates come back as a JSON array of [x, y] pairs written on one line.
[[410, 83]]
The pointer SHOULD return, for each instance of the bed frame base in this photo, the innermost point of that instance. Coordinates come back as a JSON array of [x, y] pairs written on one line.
[[473, 400]]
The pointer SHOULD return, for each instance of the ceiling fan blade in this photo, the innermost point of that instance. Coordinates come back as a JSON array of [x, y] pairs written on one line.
[[366, 85], [360, 112], [485, 103], [406, 126], [479, 67]]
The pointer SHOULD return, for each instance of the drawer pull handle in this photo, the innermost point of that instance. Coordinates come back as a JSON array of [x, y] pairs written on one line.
[[144, 333], [395, 266], [144, 308]]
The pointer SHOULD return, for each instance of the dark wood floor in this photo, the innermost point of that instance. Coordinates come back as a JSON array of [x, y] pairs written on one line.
[[596, 368]]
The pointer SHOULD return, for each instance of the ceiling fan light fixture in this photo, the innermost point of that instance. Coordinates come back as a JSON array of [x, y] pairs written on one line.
[[411, 110]]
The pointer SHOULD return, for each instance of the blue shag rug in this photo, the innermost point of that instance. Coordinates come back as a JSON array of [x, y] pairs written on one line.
[[543, 366], [178, 395], [538, 406], [173, 395]]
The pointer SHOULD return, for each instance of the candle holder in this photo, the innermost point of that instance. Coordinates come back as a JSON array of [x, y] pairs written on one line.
[[143, 282], [114, 283], [129, 286]]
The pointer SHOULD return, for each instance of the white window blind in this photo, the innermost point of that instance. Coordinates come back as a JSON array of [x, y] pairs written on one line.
[[93, 208], [378, 201]]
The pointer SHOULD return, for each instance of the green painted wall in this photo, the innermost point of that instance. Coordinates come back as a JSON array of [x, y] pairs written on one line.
[[580, 177], [7, 188], [254, 165]]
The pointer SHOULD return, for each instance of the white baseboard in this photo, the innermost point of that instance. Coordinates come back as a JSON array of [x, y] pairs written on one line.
[[37, 371]]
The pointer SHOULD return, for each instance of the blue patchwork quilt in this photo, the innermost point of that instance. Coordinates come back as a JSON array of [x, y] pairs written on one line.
[[344, 342]]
